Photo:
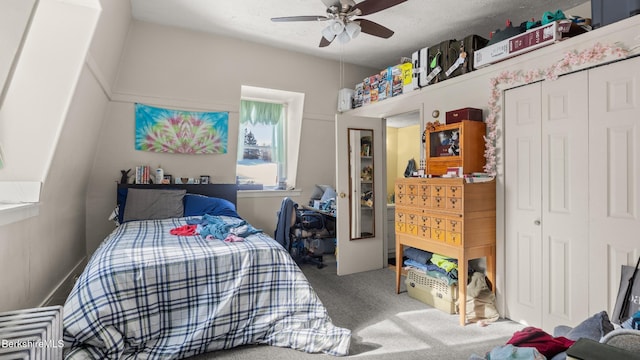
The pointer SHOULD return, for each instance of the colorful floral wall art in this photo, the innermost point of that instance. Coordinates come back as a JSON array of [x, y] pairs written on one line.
[[184, 132]]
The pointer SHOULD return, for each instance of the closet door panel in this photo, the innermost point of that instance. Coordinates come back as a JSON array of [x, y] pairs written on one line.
[[565, 205], [614, 190], [523, 247]]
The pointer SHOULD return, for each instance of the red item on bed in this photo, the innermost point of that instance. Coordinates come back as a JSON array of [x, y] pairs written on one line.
[[185, 230], [546, 344]]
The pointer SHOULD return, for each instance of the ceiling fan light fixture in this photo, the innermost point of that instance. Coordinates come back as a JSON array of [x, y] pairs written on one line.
[[340, 23], [337, 27], [353, 29], [328, 34], [344, 37]]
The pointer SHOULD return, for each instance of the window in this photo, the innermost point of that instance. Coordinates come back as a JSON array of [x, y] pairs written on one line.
[[268, 139], [262, 157]]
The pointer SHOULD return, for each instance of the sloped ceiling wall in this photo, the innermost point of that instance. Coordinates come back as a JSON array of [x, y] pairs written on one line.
[[58, 97]]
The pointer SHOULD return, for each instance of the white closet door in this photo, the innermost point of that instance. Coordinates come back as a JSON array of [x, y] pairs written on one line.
[[546, 183], [614, 154], [523, 249], [565, 204]]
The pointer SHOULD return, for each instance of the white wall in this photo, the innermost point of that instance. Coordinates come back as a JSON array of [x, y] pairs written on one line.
[[52, 116], [183, 69], [108, 42]]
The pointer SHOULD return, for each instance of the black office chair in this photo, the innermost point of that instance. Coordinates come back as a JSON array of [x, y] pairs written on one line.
[[299, 231]]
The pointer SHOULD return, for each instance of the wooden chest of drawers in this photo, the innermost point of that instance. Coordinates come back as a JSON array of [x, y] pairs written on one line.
[[448, 217]]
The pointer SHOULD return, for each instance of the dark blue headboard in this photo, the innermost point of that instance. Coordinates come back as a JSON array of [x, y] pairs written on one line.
[[223, 191]]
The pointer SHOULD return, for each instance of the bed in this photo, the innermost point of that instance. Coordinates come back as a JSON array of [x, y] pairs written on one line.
[[148, 293]]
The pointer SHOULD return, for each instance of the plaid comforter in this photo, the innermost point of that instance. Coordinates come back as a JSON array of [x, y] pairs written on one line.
[[146, 293]]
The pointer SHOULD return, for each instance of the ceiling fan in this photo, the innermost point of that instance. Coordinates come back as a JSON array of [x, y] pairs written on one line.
[[342, 22]]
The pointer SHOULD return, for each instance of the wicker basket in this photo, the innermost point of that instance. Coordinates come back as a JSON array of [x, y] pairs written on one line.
[[432, 291]]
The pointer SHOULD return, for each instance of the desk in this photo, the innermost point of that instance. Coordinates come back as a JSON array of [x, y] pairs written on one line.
[[330, 223], [323, 212]]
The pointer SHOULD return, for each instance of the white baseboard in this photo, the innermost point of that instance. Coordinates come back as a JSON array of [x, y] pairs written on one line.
[[77, 270]]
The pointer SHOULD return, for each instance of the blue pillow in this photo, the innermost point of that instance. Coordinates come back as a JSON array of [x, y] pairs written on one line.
[[198, 205]]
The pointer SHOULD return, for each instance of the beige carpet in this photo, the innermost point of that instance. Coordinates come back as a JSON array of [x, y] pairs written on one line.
[[384, 324]]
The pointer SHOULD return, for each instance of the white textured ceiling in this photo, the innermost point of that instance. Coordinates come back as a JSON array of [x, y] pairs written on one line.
[[417, 23]]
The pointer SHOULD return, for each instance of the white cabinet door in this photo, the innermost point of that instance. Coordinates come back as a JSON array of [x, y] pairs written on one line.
[[614, 187], [546, 214], [523, 205]]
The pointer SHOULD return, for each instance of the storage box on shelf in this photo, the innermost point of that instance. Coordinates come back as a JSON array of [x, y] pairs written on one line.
[[358, 97], [391, 81], [455, 116], [529, 40], [439, 58], [456, 145], [370, 89], [448, 217], [402, 79], [450, 57], [462, 53], [385, 84], [420, 59]]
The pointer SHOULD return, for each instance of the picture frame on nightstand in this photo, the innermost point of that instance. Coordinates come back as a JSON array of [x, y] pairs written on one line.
[[204, 179]]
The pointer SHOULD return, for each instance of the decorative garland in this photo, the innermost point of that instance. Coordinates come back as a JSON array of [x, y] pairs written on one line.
[[570, 60]]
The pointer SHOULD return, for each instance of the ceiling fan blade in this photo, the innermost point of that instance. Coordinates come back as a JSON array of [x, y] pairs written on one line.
[[300, 18], [324, 42], [372, 6], [375, 29]]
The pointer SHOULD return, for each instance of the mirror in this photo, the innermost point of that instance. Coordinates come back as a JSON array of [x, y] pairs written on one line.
[[361, 181]]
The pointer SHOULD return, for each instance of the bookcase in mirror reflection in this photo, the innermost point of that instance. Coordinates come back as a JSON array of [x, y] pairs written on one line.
[[459, 144]]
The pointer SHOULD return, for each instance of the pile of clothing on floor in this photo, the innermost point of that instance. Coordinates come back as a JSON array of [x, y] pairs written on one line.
[[532, 343]]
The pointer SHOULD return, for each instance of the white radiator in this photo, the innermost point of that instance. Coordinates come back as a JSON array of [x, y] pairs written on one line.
[[32, 334]]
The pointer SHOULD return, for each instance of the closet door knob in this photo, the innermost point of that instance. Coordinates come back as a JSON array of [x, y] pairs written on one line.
[[537, 222], [343, 195]]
